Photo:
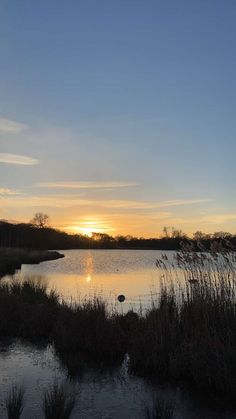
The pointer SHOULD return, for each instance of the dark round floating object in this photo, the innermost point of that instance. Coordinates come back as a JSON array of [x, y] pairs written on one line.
[[121, 298]]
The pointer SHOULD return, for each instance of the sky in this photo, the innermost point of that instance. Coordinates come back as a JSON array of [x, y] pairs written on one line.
[[118, 116]]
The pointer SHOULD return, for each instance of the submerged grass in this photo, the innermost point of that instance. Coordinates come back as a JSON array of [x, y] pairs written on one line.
[[15, 402], [160, 409], [187, 336], [58, 402]]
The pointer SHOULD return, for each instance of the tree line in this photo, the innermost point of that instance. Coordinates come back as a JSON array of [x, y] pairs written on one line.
[[36, 235]]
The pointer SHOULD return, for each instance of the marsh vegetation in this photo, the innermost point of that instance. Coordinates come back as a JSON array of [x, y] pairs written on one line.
[[187, 335]]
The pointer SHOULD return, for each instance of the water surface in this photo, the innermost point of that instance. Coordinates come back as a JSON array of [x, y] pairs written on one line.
[[83, 273], [99, 395]]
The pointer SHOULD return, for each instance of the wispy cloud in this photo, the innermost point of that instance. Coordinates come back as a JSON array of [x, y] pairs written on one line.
[[6, 125], [180, 202], [143, 205], [7, 192], [67, 201], [86, 185], [219, 218], [17, 159]]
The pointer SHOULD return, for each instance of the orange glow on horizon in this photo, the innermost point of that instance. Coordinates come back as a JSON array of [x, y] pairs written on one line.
[[142, 224], [88, 227]]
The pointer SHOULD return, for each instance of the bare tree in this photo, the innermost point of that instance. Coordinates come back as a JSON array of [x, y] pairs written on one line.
[[177, 234], [40, 220], [166, 232]]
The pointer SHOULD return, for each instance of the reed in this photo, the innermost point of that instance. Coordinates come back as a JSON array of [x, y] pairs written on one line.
[[189, 334], [90, 330]]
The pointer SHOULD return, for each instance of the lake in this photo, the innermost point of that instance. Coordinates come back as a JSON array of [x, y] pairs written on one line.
[[85, 273], [100, 395]]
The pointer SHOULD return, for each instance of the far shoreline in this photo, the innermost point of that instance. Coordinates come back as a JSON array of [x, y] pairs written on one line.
[[12, 259]]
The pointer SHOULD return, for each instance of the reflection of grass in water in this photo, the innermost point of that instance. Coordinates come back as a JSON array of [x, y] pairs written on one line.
[[15, 402], [161, 409], [58, 403]]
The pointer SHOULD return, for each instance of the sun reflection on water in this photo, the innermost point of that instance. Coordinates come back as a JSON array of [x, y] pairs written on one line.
[[88, 278]]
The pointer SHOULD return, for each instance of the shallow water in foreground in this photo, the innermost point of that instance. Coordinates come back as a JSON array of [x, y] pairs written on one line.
[[104, 395], [109, 395]]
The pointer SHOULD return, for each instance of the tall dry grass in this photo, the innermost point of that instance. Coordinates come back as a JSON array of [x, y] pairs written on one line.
[[189, 334]]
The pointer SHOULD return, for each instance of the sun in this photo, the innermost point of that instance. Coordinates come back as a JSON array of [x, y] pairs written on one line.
[[89, 226], [86, 231]]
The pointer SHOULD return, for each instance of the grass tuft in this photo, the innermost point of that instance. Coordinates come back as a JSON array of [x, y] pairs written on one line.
[[15, 402], [161, 409], [58, 403]]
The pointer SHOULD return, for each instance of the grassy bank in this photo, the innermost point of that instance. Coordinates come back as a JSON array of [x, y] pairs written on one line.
[[187, 336], [12, 259]]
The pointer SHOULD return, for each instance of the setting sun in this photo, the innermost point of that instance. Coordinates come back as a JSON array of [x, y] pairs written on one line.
[[86, 231], [88, 227]]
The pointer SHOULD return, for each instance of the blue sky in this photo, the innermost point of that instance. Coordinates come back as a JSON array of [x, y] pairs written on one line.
[[125, 107]]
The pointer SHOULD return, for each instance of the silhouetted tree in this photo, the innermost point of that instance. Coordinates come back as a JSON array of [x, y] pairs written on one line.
[[40, 220], [166, 232], [177, 233], [199, 235], [28, 236], [221, 235]]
